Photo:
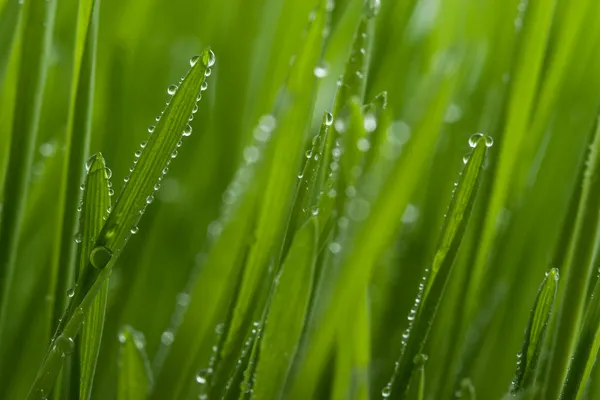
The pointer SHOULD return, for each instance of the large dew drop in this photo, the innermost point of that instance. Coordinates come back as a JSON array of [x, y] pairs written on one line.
[[187, 131], [172, 89], [64, 345], [208, 58], [474, 139], [100, 257]]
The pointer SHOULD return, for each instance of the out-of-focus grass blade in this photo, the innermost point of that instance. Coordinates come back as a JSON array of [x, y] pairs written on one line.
[[37, 25], [466, 390], [10, 16], [377, 120], [96, 201], [577, 269], [77, 139], [149, 168], [535, 333], [135, 377], [432, 290], [585, 353], [288, 308], [353, 355], [283, 161]]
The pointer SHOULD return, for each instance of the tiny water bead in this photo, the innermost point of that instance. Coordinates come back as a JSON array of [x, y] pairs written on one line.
[[251, 154], [187, 131], [308, 153], [335, 247], [194, 60], [111, 192], [320, 71], [363, 144], [204, 86], [143, 144], [70, 292], [466, 158], [174, 154], [207, 71], [151, 128], [200, 378], [82, 186], [138, 153], [386, 391], [149, 199], [172, 89], [107, 173], [77, 238], [370, 122], [100, 257], [167, 337], [89, 162], [328, 119], [64, 345], [134, 230], [208, 58], [195, 109], [180, 143]]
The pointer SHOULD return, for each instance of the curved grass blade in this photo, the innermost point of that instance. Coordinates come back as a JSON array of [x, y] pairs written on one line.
[[577, 268], [77, 139], [36, 37], [149, 168], [288, 309], [135, 377], [432, 290], [535, 333], [96, 201], [585, 353]]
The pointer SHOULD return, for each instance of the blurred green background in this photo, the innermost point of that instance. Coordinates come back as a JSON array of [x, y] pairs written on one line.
[[531, 82]]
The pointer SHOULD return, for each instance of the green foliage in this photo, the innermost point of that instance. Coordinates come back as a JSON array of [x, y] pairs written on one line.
[[290, 234]]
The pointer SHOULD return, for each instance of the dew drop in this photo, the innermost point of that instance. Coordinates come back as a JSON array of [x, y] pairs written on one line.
[[204, 86], [195, 109], [489, 141], [335, 247], [474, 139], [200, 379], [126, 179], [172, 89], [174, 154], [71, 292], [301, 175], [370, 122], [111, 192], [340, 125], [194, 60], [465, 158], [187, 131], [207, 71], [134, 230], [77, 238], [65, 345], [267, 123], [328, 119], [208, 58], [308, 153], [251, 154], [100, 257], [167, 337], [143, 144], [89, 162], [149, 199], [138, 153], [82, 186], [386, 391], [180, 143], [157, 186], [165, 170], [363, 144], [151, 128], [320, 71]]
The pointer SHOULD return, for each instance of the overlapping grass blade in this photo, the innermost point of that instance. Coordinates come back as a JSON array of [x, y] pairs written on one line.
[[95, 202], [288, 307], [586, 352], [387, 193], [577, 269], [527, 363], [36, 36], [135, 377], [77, 139], [279, 185], [149, 168], [436, 278]]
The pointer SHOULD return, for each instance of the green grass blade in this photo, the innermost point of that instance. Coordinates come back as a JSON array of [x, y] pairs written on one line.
[[353, 355], [77, 139], [288, 308], [95, 202], [37, 25], [357, 250], [419, 378], [135, 378], [577, 269], [431, 290], [586, 351], [527, 364], [279, 180], [10, 15]]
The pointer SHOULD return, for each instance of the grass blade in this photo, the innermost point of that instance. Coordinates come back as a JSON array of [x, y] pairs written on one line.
[[288, 308], [96, 201], [135, 378], [279, 188], [37, 25], [149, 168], [535, 333], [577, 268], [585, 353], [432, 290], [77, 139]]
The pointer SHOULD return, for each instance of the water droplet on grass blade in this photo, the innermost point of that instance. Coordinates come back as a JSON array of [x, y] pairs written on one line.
[[474, 139], [208, 58], [138, 153], [194, 60], [328, 119], [335, 247], [172, 89], [149, 199], [89, 162], [100, 257], [204, 86], [320, 71], [187, 131], [363, 144], [167, 337], [64, 345], [134, 230], [71, 292], [465, 158], [77, 238], [489, 141], [386, 391], [251, 154], [151, 128], [82, 186]]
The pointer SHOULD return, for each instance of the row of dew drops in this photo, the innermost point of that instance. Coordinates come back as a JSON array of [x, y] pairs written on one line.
[[387, 390]]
